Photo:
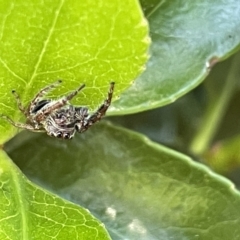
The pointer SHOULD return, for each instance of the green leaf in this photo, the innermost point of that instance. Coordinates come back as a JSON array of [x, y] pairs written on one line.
[[29, 212], [78, 41], [139, 189], [187, 38]]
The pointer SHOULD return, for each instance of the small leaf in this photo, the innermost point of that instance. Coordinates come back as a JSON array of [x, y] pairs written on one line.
[[187, 39], [224, 156], [77, 41], [29, 212], [137, 188]]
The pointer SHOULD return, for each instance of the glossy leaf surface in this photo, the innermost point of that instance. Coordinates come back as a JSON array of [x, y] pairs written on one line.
[[138, 189], [187, 39]]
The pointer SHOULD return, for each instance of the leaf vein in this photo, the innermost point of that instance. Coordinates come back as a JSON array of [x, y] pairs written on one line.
[[11, 71], [2, 25], [45, 44]]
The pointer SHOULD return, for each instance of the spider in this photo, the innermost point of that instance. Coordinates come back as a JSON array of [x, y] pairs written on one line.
[[58, 118]]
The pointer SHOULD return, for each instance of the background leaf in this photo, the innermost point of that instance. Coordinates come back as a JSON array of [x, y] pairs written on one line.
[[139, 189], [77, 41], [28, 212], [205, 119], [187, 38]]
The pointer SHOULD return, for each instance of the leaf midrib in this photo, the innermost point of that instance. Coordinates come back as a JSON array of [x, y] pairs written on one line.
[[45, 44]]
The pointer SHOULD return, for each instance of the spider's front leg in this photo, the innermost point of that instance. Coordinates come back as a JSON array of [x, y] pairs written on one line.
[[50, 107], [20, 125], [96, 116], [40, 94], [19, 103]]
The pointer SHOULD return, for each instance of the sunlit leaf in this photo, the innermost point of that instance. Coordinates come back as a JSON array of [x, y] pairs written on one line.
[[91, 42]]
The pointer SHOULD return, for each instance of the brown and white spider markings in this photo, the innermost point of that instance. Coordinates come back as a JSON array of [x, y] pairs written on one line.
[[58, 118]]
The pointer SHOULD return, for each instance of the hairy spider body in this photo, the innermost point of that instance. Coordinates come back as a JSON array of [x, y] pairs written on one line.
[[58, 118]]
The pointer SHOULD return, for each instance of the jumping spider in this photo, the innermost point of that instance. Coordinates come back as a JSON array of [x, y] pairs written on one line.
[[58, 118]]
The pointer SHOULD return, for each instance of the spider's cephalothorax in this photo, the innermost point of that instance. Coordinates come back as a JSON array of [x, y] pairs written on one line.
[[57, 117]]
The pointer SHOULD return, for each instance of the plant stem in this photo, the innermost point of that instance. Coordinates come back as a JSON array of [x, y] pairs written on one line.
[[215, 111]]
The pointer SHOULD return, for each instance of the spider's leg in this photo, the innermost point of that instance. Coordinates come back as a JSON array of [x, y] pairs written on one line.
[[20, 125], [19, 103], [72, 94], [96, 116], [45, 110], [40, 94]]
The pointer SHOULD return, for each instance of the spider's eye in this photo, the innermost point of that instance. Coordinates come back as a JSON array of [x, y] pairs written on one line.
[[66, 135], [59, 135]]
